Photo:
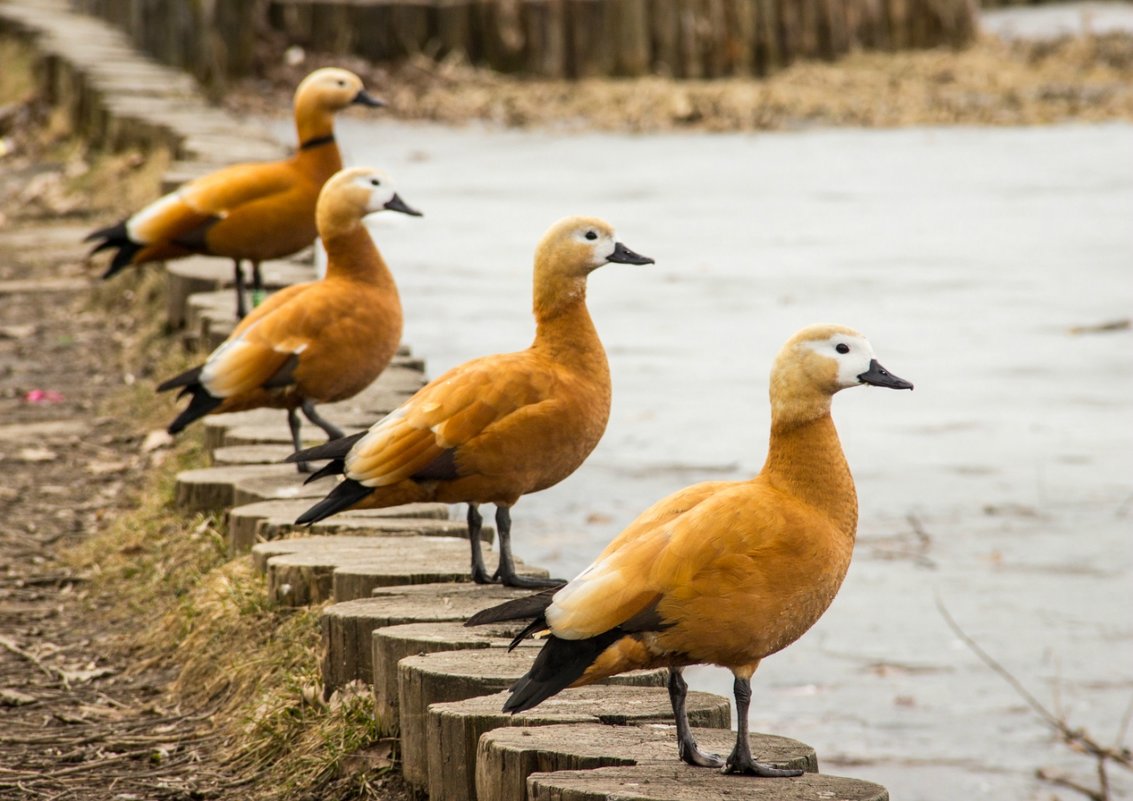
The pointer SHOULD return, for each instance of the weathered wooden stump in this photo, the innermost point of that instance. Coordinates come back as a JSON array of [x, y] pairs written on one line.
[[204, 274], [308, 570], [250, 454], [506, 757], [269, 426], [348, 627], [436, 561], [436, 678], [279, 487], [682, 782], [209, 489], [269, 520], [394, 643], [454, 729]]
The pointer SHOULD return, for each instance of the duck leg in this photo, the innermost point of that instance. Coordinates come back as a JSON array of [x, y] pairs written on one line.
[[505, 572], [686, 745], [294, 423], [475, 521], [241, 308], [257, 285], [740, 760], [332, 431]]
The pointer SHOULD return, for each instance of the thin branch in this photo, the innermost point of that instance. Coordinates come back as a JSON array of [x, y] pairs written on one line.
[[1074, 737]]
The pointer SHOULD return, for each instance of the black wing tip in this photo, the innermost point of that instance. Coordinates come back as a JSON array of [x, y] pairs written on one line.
[[201, 404], [341, 498]]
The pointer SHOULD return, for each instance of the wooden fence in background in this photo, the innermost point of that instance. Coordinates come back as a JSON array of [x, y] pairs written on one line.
[[546, 38]]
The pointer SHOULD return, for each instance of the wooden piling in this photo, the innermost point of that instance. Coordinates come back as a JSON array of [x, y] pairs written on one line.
[[507, 756], [269, 520], [680, 782], [434, 678], [454, 728], [394, 643], [348, 627]]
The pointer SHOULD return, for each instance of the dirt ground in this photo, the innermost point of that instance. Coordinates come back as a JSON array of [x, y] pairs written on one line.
[[82, 718]]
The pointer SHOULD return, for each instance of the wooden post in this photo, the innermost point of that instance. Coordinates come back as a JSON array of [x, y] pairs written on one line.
[[665, 37], [506, 757], [454, 728], [544, 29], [348, 627], [439, 677], [394, 643], [682, 782]]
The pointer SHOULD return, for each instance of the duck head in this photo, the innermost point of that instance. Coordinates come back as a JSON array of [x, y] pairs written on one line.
[[333, 89], [569, 251], [353, 193], [819, 361]]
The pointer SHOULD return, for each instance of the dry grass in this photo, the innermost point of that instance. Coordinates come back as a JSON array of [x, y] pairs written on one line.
[[991, 83]]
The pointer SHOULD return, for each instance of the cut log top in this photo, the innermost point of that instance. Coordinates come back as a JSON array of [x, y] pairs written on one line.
[[251, 454], [507, 756], [608, 704], [595, 745], [501, 667], [454, 729], [682, 782], [271, 520]]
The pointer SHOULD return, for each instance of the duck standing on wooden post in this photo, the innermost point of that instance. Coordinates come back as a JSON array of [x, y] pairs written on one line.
[[724, 572], [499, 427], [318, 342], [246, 212]]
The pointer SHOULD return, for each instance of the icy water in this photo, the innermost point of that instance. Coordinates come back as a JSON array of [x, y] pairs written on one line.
[[1002, 486]]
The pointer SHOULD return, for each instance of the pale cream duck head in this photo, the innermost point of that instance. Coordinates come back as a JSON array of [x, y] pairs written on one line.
[[351, 194], [333, 89], [569, 251], [819, 361]]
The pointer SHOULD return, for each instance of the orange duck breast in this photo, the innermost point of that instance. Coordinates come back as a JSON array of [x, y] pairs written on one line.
[[722, 573], [499, 427], [248, 212], [318, 342]]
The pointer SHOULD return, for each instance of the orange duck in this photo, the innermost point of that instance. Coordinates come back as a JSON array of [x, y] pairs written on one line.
[[722, 573], [499, 427], [248, 212], [317, 342]]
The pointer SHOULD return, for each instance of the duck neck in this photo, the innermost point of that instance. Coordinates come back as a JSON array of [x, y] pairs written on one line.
[[318, 154], [353, 256], [805, 458], [563, 328]]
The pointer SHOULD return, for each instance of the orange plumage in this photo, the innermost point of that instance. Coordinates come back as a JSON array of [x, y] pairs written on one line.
[[317, 342], [499, 427], [722, 573], [248, 212]]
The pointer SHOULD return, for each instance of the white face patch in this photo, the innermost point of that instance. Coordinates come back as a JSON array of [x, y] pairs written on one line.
[[381, 188], [855, 361], [600, 242]]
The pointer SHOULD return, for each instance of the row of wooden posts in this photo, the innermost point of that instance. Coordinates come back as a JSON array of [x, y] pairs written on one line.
[[545, 38], [392, 582], [393, 585]]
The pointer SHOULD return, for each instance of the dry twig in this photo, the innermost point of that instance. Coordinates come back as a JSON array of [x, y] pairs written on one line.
[[1078, 739]]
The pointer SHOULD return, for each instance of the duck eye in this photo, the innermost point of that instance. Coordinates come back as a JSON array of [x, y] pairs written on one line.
[[342, 82], [591, 235], [375, 182], [842, 347]]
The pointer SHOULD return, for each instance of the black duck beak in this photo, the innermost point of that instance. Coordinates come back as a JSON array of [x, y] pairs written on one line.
[[624, 255], [878, 376], [395, 203]]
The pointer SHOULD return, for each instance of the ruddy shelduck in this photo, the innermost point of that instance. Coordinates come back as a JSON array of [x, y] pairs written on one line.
[[250, 212], [724, 572], [318, 342], [495, 428]]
